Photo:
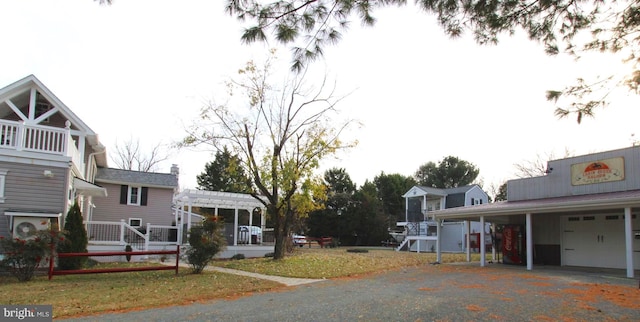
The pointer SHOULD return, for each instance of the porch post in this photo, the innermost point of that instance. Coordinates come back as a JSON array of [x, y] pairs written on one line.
[[235, 227], [406, 209], [628, 238], [482, 250], [529, 243], [250, 225], [438, 252], [467, 241], [189, 215], [493, 241]]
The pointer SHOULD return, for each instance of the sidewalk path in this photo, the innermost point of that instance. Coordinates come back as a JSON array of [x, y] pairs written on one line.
[[288, 281]]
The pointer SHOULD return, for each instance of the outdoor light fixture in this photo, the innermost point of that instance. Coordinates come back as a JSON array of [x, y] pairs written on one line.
[[48, 173]]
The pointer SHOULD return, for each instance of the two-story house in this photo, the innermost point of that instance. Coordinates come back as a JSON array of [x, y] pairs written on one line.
[[48, 159], [420, 231]]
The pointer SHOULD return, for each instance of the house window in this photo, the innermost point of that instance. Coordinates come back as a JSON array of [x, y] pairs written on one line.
[[3, 177], [135, 222], [133, 195]]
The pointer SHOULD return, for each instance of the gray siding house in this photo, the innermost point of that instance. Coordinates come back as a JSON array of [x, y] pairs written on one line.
[[420, 229], [136, 197], [48, 159]]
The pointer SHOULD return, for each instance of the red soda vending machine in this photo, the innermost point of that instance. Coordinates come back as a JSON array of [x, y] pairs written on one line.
[[514, 245]]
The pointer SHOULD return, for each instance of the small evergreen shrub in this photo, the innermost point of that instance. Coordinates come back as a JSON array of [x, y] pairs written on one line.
[[75, 240], [205, 242], [269, 255], [237, 256]]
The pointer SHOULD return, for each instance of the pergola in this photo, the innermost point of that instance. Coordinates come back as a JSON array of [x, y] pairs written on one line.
[[219, 200]]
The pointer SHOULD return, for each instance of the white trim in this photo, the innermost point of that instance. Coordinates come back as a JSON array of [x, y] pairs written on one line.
[[3, 180], [33, 214], [134, 226]]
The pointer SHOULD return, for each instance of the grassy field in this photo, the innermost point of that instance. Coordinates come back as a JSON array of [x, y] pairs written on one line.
[[337, 262], [74, 295]]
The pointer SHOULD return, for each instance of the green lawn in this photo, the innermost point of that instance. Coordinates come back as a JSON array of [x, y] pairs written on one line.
[[74, 295]]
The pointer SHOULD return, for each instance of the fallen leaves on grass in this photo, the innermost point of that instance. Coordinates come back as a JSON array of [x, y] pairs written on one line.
[[476, 308]]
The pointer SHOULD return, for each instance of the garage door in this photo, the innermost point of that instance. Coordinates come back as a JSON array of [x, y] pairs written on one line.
[[595, 241]]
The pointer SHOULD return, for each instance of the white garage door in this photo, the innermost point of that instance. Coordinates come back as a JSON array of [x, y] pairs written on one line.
[[596, 241]]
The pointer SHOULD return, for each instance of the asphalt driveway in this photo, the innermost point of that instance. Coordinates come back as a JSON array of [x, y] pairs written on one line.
[[448, 292]]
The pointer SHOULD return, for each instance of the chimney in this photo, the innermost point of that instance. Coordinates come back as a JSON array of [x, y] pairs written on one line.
[[176, 172]]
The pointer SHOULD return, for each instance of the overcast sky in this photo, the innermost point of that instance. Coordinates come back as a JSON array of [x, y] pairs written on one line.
[[143, 69]]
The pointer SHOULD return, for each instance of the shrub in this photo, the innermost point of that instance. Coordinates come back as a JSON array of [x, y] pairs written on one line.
[[75, 240], [22, 257], [269, 255], [357, 250], [205, 242], [237, 256]]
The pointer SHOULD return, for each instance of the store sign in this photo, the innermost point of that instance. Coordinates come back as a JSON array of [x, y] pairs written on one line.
[[597, 171]]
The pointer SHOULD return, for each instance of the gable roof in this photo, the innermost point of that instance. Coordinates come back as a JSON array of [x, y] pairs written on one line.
[[416, 191], [151, 179], [462, 189], [29, 82], [21, 90]]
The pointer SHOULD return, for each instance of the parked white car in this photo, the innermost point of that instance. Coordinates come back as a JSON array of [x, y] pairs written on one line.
[[299, 240], [243, 234]]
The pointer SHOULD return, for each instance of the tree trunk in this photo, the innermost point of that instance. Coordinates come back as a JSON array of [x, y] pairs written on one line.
[[279, 250]]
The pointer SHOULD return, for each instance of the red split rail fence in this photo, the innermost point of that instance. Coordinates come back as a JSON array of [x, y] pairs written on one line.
[[115, 270]]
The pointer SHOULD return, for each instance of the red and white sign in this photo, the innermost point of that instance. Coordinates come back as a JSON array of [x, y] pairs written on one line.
[[597, 171]]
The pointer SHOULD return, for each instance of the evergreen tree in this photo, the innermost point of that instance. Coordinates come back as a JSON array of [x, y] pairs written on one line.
[[224, 173], [569, 26], [75, 240]]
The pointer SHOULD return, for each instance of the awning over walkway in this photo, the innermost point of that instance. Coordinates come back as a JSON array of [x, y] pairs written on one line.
[[88, 189], [588, 202]]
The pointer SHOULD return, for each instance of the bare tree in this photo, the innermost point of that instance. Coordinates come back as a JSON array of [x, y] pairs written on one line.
[[538, 166], [280, 135], [129, 156]]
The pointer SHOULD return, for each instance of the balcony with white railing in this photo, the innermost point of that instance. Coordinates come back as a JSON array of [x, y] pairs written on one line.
[[38, 138]]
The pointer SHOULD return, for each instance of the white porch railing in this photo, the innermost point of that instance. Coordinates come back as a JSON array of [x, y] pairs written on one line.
[[39, 138], [120, 233], [35, 138]]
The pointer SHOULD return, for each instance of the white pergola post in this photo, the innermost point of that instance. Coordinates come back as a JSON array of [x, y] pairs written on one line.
[[189, 215], [263, 216], [438, 252], [482, 243], [250, 211], [628, 239], [467, 241], [235, 227], [529, 242]]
